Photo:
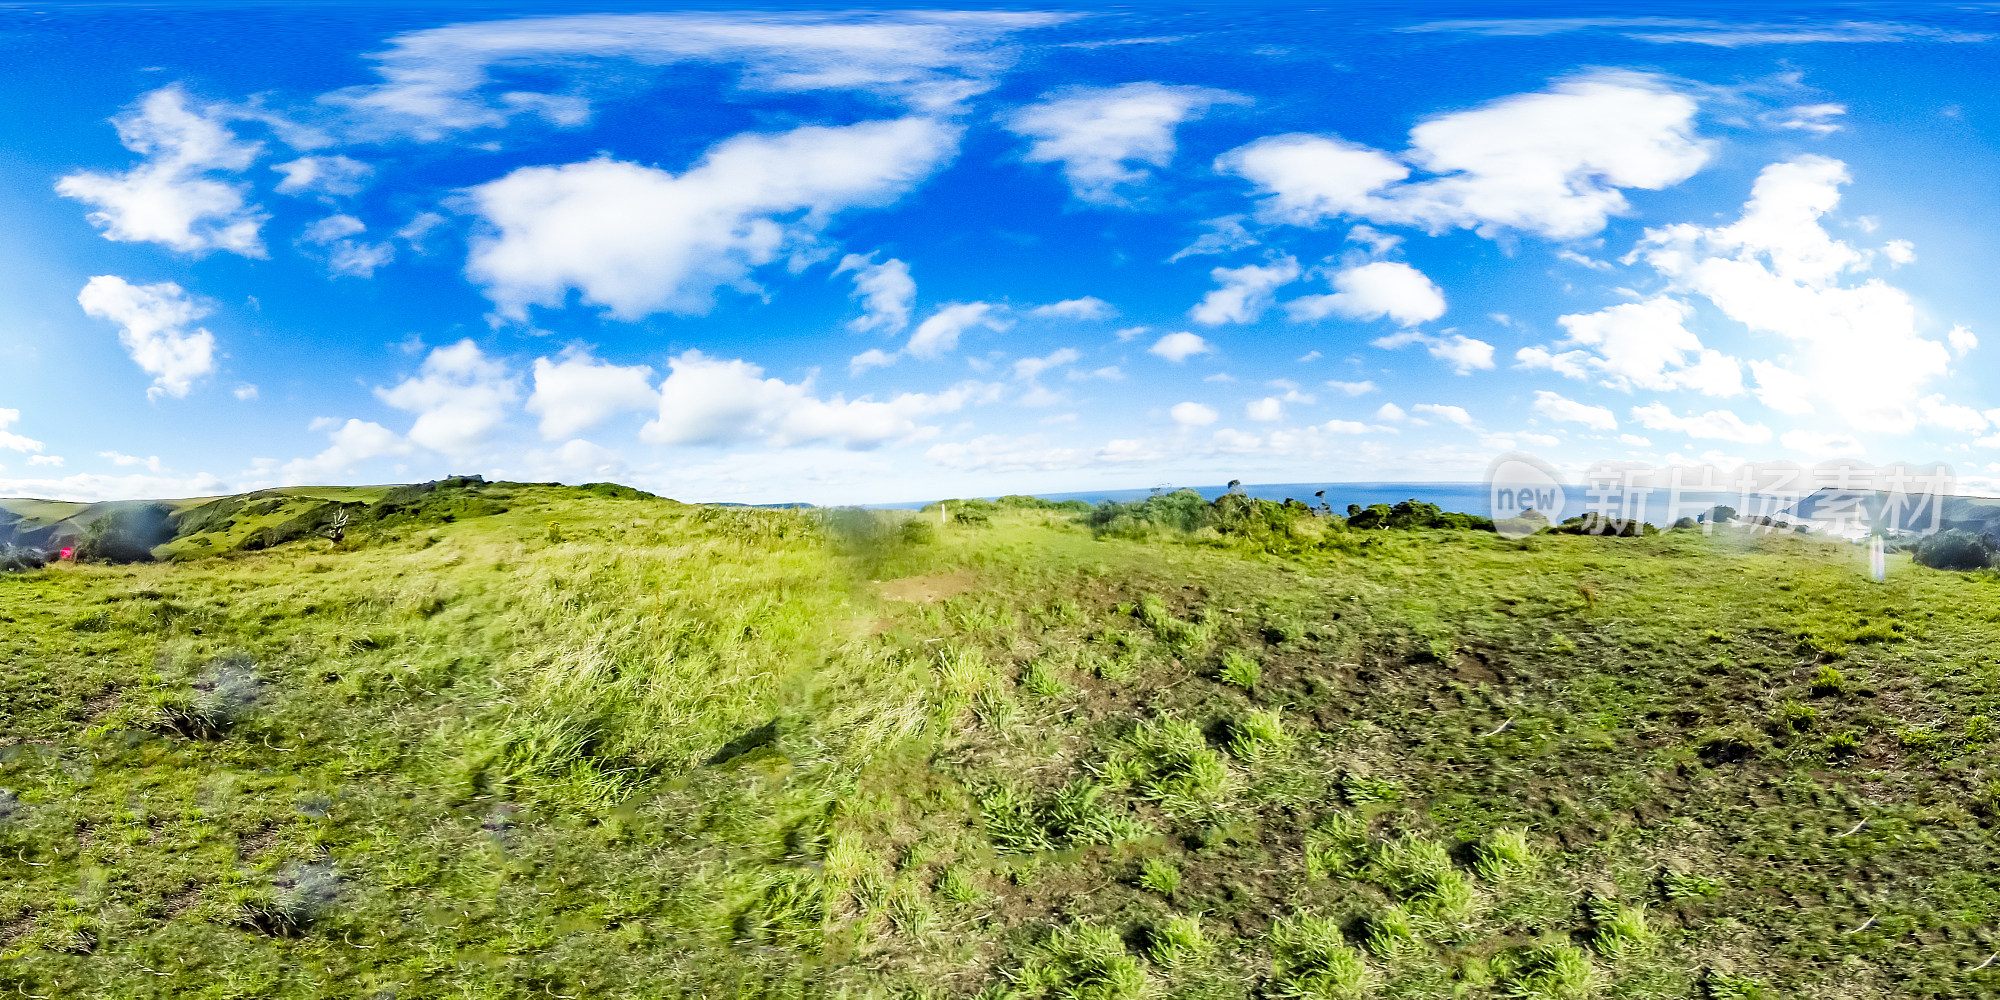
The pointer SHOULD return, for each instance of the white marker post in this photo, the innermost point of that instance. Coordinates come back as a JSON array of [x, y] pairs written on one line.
[[1878, 561]]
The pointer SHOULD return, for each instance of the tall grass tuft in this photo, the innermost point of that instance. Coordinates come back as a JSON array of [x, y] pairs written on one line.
[[1313, 961], [1168, 760], [1082, 962]]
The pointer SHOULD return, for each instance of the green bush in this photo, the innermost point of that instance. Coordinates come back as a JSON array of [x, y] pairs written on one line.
[[1954, 549], [1412, 514], [126, 533]]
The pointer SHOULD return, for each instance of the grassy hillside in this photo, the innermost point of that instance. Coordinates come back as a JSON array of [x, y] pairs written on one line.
[[569, 743]]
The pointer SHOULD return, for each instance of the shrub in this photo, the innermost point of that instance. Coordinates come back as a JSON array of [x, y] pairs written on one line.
[[126, 533], [1955, 549], [1410, 515]]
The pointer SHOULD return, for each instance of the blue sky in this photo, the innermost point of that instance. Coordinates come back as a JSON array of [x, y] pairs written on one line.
[[869, 256]]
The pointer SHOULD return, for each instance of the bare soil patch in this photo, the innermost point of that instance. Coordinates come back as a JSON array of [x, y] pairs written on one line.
[[925, 589]]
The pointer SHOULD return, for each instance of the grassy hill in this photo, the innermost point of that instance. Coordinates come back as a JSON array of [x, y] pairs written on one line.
[[533, 741]]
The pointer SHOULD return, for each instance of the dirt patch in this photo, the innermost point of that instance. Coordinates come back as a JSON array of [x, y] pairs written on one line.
[[925, 589], [257, 843]]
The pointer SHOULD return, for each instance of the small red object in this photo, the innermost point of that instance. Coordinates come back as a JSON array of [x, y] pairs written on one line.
[[69, 553]]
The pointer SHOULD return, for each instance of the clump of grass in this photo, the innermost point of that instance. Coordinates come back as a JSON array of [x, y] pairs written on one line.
[[1011, 821], [1159, 875], [1335, 846], [1240, 670], [957, 884], [1621, 932], [1313, 961], [221, 696], [1550, 971], [1503, 855], [1082, 962], [1362, 789], [1258, 735], [1828, 681], [1043, 679], [1392, 936], [1182, 636], [1076, 815], [1420, 872], [1978, 731], [1684, 886], [1168, 760], [1793, 716], [1177, 941]]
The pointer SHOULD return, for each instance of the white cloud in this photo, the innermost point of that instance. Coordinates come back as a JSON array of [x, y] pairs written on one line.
[[151, 462], [1465, 354], [1178, 347], [1088, 307], [1224, 234], [89, 487], [1720, 425], [52, 460], [1447, 413], [1246, 292], [886, 292], [438, 80], [1781, 389], [637, 240], [873, 357], [153, 322], [1962, 340], [1554, 162], [1820, 444], [1372, 291], [1390, 412], [1193, 414], [579, 392], [1561, 408], [1028, 369], [1270, 409], [459, 396], [350, 444], [711, 401], [173, 197], [1814, 118], [1352, 388], [1900, 252], [998, 453], [245, 392], [345, 256], [939, 334], [1635, 441], [334, 175], [1937, 411], [1106, 137], [1777, 270], [1644, 345], [12, 441]]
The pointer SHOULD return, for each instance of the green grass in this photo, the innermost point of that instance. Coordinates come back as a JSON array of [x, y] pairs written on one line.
[[670, 750]]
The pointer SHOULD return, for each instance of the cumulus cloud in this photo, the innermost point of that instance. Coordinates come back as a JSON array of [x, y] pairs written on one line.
[[1643, 345], [175, 196], [12, 441], [349, 445], [459, 396], [939, 334], [1719, 425], [886, 291], [1373, 291], [1556, 406], [1361, 388], [439, 80], [154, 326], [1555, 163], [1270, 409], [635, 239], [1962, 340], [332, 175], [1106, 137], [1178, 347], [332, 240], [1193, 414], [1446, 413], [1245, 292], [1087, 307], [1776, 270], [1028, 369], [1224, 234], [578, 392], [711, 401], [1464, 354], [873, 357]]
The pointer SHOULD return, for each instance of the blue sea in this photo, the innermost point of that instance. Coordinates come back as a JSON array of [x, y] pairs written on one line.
[[1468, 498]]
